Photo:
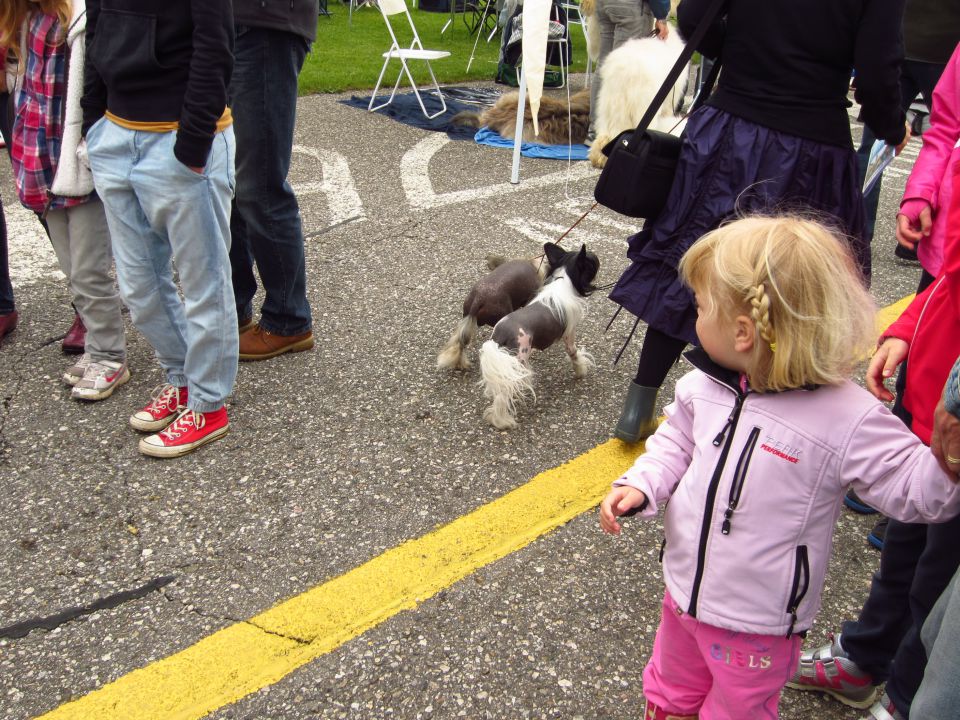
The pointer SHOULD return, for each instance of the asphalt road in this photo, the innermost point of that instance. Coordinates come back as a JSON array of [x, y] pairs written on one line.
[[339, 454]]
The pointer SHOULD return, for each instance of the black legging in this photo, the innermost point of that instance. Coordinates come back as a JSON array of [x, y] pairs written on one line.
[[657, 356]]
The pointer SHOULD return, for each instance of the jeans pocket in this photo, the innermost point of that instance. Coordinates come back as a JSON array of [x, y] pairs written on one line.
[[93, 135]]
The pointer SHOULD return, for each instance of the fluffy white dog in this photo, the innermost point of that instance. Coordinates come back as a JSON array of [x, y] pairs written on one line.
[[630, 77]]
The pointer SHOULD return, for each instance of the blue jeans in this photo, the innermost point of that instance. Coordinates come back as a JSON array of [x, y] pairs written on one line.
[[915, 77], [266, 225], [157, 210], [939, 694]]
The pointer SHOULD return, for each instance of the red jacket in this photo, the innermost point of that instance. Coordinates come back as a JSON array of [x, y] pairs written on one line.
[[931, 325]]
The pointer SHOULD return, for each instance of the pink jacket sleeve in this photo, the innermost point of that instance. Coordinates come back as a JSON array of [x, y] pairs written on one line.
[[897, 474], [939, 139], [669, 450]]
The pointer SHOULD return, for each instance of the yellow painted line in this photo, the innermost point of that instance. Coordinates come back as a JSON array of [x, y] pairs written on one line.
[[245, 657], [887, 315], [248, 656]]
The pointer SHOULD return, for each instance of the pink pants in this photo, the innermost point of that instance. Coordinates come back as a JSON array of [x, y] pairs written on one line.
[[716, 674]]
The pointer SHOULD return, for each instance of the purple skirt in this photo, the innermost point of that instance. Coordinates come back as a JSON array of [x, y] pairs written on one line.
[[730, 166]]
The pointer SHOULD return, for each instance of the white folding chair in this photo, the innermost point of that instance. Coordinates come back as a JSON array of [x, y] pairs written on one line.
[[416, 51]]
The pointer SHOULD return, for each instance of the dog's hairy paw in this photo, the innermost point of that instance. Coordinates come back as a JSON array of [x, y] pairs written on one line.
[[499, 420], [596, 156]]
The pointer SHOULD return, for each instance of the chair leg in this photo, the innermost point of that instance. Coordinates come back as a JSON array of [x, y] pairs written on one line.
[[436, 86], [373, 97], [393, 92]]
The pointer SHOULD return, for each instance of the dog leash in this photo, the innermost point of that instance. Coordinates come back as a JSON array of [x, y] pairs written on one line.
[[569, 230]]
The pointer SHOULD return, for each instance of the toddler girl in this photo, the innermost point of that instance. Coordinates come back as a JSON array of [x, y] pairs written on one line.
[[47, 39], [760, 444]]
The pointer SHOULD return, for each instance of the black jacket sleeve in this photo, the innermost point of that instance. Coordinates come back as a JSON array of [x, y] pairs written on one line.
[[94, 101], [689, 14], [211, 66], [878, 54]]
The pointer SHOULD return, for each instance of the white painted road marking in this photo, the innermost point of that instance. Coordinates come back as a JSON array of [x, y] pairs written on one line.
[[415, 176], [343, 200]]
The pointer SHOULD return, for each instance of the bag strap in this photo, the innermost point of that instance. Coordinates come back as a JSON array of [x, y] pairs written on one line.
[[677, 68]]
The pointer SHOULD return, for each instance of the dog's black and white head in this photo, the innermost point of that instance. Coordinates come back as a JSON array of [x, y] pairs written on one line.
[[581, 266]]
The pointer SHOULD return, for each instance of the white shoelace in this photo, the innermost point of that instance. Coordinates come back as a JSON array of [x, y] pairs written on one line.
[[165, 397], [188, 419]]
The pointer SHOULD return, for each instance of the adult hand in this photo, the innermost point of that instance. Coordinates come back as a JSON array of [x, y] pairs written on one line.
[[945, 441], [891, 353], [617, 502], [906, 138], [663, 29], [908, 233]]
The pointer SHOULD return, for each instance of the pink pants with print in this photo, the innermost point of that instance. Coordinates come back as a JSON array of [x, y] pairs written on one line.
[[716, 674]]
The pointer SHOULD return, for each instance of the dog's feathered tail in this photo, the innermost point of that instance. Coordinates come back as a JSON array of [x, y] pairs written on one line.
[[505, 382], [452, 356], [467, 118]]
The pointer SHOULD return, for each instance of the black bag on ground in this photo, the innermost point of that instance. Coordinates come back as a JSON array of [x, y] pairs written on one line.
[[641, 163]]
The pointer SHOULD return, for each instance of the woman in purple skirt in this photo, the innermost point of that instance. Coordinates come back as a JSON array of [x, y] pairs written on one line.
[[775, 136]]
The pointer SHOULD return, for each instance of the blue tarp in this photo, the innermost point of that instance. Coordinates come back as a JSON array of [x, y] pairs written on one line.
[[486, 136], [406, 109]]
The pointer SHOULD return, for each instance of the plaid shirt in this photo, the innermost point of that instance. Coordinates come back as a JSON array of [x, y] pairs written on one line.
[[38, 126]]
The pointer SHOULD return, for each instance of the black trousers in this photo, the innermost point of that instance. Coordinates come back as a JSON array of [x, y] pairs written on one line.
[[916, 565]]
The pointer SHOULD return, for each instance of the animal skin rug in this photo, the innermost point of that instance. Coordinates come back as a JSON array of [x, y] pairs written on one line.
[[559, 124]]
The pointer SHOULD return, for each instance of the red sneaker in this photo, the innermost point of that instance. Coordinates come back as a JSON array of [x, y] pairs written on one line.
[[168, 401], [185, 434]]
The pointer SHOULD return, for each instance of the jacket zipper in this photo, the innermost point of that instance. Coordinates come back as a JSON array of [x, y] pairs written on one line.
[[728, 433], [801, 583], [739, 477]]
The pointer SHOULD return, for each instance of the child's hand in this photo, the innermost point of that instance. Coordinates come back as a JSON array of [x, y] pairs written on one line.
[[617, 502], [914, 222], [891, 353]]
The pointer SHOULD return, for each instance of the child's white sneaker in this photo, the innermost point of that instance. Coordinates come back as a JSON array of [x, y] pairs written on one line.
[[100, 379], [75, 372]]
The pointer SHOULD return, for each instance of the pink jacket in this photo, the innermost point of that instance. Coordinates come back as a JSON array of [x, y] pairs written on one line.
[[931, 181], [755, 484]]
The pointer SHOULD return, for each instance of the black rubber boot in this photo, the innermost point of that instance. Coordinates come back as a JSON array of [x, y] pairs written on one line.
[[639, 417]]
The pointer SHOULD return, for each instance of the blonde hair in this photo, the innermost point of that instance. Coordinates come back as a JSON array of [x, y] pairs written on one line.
[[14, 13], [799, 284]]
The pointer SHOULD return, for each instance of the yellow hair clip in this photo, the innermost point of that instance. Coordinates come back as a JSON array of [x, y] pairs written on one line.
[[773, 347]]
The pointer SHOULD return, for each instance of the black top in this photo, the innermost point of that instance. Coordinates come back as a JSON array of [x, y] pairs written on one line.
[[787, 63], [294, 16], [931, 30], [159, 61]]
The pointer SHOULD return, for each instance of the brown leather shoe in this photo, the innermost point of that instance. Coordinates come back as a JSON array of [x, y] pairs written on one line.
[[260, 344]]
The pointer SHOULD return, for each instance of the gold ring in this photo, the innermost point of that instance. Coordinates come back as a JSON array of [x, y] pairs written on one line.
[[951, 460]]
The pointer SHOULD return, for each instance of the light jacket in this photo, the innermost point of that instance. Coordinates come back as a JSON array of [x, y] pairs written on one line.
[[755, 483], [931, 324], [930, 181], [73, 178]]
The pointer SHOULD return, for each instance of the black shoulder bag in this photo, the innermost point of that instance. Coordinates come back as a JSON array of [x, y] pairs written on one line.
[[641, 163]]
